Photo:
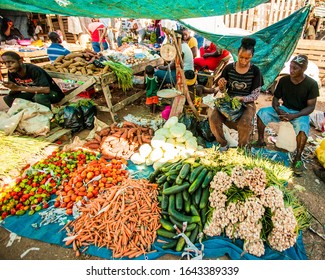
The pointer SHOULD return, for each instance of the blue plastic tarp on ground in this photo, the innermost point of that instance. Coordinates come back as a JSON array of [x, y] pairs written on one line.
[[214, 247]]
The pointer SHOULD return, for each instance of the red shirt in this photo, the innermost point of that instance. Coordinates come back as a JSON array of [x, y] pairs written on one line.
[[93, 28]]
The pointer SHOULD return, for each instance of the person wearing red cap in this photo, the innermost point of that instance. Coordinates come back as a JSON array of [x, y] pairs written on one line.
[[298, 93]]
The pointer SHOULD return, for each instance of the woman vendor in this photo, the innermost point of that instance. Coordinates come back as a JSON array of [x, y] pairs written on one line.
[[243, 80], [9, 31]]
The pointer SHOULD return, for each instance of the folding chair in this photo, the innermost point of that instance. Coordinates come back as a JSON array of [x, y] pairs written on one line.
[[214, 76]]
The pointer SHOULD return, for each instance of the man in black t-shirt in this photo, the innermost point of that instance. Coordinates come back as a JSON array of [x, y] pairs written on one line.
[[298, 93], [30, 82]]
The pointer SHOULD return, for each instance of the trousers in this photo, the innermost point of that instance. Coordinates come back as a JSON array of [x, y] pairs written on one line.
[[44, 99], [244, 125]]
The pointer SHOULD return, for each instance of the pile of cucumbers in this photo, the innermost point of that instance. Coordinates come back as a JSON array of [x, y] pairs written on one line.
[[184, 190]]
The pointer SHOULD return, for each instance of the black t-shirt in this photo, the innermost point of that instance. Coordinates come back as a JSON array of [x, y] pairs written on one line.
[[35, 76], [242, 84], [14, 34], [296, 96]]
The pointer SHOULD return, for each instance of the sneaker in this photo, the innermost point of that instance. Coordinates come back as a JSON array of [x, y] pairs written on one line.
[[223, 149], [298, 167]]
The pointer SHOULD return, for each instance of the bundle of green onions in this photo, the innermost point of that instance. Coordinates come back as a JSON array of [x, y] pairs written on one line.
[[124, 74]]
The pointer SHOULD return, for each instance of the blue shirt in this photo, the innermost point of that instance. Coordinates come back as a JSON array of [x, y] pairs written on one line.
[[55, 50]]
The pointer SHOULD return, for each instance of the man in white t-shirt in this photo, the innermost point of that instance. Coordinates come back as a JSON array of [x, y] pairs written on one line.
[[188, 67]]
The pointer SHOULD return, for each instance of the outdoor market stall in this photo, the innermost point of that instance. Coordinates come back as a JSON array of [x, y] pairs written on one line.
[[174, 196], [103, 81], [35, 53]]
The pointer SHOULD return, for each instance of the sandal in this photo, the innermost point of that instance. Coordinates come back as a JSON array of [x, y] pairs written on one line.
[[257, 144]]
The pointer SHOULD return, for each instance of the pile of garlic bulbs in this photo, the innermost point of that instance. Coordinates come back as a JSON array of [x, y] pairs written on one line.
[[243, 218]]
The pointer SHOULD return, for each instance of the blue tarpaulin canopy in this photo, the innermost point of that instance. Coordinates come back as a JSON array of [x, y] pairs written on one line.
[[274, 44], [155, 9]]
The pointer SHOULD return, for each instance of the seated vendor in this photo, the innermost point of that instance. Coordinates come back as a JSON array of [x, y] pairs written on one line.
[[56, 49], [28, 81], [241, 80], [298, 93], [210, 57], [9, 32], [169, 77]]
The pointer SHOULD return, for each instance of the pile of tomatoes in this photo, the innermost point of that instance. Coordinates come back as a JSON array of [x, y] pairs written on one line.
[[33, 189], [88, 181]]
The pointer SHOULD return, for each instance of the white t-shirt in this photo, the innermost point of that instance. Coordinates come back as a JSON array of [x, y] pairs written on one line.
[[187, 57]]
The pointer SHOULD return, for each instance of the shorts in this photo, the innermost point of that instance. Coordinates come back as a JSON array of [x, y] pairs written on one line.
[[152, 100], [268, 114]]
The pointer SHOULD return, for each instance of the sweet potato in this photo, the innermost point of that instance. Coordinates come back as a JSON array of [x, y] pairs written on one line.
[[104, 132], [59, 59], [97, 137], [93, 146], [73, 55], [66, 63]]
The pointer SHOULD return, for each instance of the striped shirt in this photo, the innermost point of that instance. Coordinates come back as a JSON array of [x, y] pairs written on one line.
[[55, 50], [247, 85]]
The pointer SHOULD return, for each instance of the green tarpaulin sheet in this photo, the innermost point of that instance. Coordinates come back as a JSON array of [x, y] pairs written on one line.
[[166, 9], [274, 44]]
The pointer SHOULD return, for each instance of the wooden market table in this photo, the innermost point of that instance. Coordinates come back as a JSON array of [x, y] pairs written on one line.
[[104, 81], [37, 55]]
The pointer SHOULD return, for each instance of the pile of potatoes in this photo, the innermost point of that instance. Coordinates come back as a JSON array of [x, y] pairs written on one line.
[[79, 63]]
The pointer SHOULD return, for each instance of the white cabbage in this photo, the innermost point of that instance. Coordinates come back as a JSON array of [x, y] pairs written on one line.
[[156, 154], [136, 158], [149, 161], [191, 143], [145, 150], [188, 134], [171, 122], [158, 141], [157, 165], [181, 139], [163, 131], [178, 130]]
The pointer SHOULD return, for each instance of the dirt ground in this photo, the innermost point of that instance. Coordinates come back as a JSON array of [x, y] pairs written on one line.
[[309, 188]]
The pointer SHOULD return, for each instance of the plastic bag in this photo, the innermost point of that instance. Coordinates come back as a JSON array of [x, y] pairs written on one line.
[[286, 137], [317, 120], [203, 80], [190, 122], [89, 112], [204, 130], [26, 117], [231, 114], [73, 118]]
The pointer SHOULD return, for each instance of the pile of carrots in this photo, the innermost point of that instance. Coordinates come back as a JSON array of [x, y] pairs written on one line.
[[120, 140], [88, 181], [124, 218]]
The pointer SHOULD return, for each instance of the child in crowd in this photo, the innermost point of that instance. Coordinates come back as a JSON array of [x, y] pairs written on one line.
[[151, 83]]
